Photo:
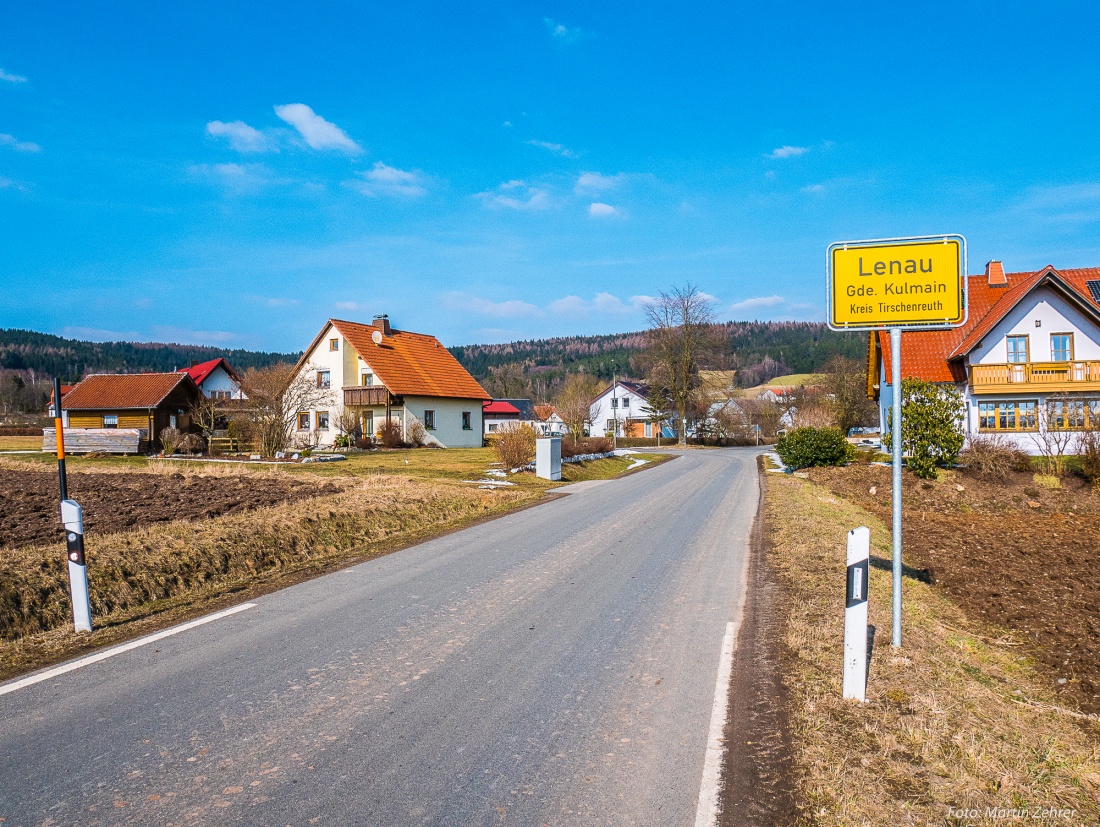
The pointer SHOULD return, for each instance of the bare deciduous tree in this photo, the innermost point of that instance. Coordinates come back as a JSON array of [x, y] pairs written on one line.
[[680, 337], [846, 383], [507, 381], [1062, 416], [276, 395], [206, 412], [575, 402], [348, 426]]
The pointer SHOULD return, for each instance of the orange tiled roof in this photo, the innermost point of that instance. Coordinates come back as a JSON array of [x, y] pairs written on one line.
[[411, 364], [104, 392], [936, 355]]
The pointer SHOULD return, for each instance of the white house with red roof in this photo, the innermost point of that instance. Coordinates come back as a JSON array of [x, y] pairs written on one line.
[[498, 414], [381, 373], [216, 379], [1027, 359]]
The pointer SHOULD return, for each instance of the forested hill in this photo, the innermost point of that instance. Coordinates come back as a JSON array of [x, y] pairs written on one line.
[[70, 359], [752, 348]]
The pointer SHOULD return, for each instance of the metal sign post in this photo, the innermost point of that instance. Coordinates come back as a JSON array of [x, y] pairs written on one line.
[[895, 445], [855, 614], [897, 284], [59, 429]]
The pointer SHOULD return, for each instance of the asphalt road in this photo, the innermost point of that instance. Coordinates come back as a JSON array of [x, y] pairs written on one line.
[[555, 666]]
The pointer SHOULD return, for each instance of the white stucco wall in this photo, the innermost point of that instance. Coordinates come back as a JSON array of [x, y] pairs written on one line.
[[638, 409], [220, 380], [448, 430], [1055, 315]]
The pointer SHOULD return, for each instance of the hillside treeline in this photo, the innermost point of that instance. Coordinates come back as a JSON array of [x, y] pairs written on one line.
[[41, 355], [758, 351]]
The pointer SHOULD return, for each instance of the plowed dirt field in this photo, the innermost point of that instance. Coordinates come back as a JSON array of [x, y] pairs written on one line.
[[1016, 554]]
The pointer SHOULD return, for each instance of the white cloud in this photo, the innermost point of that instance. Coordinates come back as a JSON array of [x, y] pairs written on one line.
[[757, 303], [1065, 204], [8, 183], [563, 33], [557, 149], [811, 188], [485, 307], [10, 78], [315, 130], [348, 306], [235, 177], [17, 145], [599, 210], [602, 303], [386, 180], [242, 137], [516, 195], [280, 302], [568, 306], [788, 151], [595, 182]]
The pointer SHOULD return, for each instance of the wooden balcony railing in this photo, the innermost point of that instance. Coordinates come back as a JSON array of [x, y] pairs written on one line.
[[1038, 376], [368, 396]]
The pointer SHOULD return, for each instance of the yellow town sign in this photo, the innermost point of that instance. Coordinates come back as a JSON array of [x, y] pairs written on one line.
[[902, 282]]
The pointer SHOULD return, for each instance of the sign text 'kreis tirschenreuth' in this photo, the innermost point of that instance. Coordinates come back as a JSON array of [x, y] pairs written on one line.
[[903, 282]]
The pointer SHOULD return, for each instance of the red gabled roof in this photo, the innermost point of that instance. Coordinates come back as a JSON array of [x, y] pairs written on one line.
[[199, 372], [936, 355], [498, 406], [104, 392], [409, 364]]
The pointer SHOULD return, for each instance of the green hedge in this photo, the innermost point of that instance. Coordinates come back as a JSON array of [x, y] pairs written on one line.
[[809, 447]]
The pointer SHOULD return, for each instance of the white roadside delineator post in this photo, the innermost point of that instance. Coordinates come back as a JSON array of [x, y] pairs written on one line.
[[72, 516], [855, 614]]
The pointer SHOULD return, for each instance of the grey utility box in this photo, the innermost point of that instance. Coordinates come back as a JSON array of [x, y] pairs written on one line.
[[548, 458]]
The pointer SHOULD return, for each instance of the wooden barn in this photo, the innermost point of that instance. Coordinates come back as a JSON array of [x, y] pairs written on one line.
[[124, 413]]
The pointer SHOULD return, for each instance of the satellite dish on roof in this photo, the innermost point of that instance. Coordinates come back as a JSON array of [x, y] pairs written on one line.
[[376, 337]]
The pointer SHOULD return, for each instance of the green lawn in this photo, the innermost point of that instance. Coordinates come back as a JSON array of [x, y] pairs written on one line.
[[455, 464]]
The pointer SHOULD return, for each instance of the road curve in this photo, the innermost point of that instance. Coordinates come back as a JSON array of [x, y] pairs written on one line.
[[554, 666]]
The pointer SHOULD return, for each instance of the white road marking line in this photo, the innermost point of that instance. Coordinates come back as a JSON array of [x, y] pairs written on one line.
[[118, 650], [707, 813]]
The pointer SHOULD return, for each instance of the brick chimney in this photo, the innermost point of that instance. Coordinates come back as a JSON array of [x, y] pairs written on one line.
[[995, 273], [382, 322]]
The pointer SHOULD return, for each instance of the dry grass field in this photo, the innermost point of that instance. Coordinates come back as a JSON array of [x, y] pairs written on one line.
[[959, 727], [169, 540], [20, 443]]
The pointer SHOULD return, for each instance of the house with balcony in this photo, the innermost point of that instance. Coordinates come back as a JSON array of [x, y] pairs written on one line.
[[374, 373], [1027, 359]]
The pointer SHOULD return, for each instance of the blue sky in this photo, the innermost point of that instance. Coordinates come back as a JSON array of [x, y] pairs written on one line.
[[233, 175]]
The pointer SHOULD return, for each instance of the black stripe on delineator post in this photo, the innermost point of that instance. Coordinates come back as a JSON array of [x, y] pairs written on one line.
[[857, 584]]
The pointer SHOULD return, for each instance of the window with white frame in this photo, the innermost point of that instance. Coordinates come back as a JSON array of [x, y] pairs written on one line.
[[322, 420]]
